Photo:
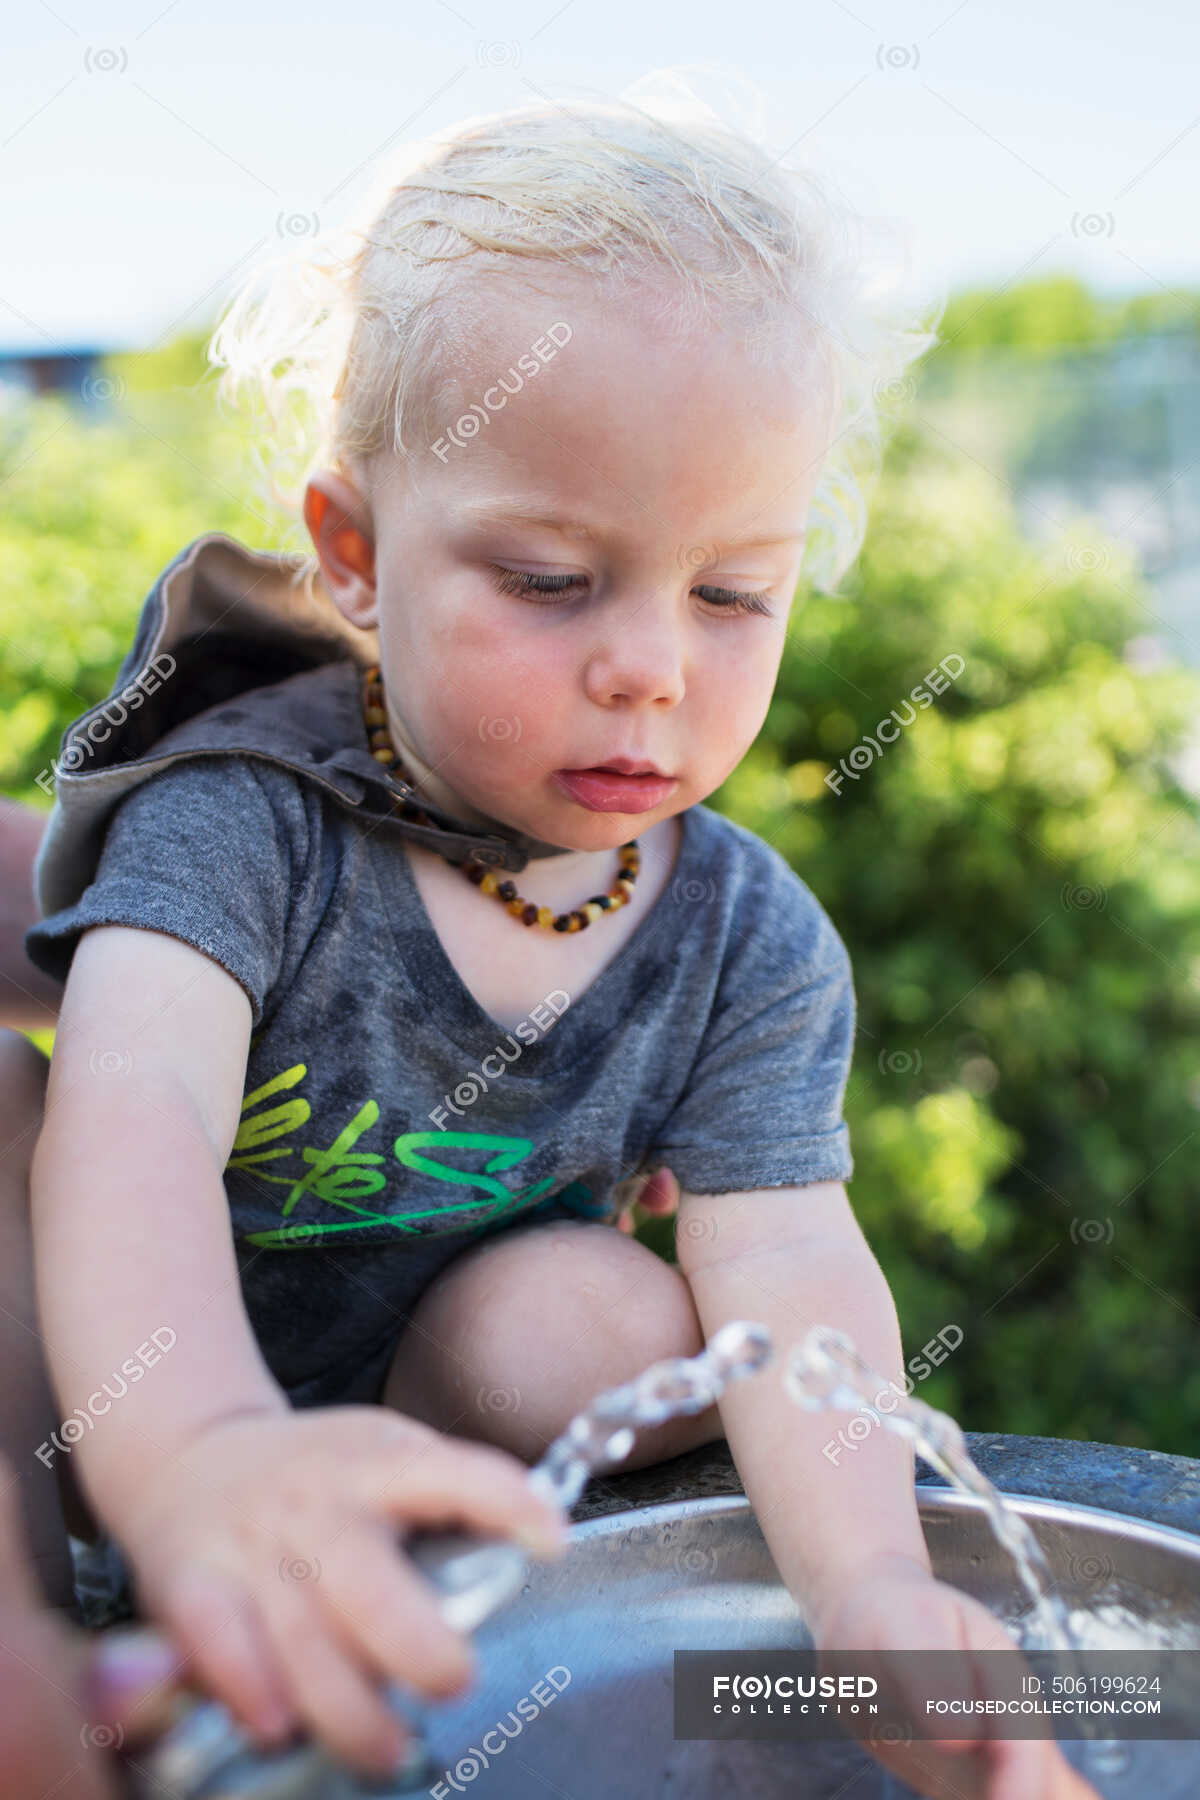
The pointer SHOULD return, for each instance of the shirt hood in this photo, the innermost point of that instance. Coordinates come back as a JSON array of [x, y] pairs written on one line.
[[235, 650]]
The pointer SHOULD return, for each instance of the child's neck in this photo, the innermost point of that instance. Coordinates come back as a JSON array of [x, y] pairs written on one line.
[[508, 970]]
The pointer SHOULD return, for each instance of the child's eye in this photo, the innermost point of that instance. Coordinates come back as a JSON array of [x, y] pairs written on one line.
[[517, 581], [734, 601]]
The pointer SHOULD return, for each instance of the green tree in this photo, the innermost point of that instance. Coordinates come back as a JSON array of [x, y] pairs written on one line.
[[93, 510], [1017, 881], [1052, 313]]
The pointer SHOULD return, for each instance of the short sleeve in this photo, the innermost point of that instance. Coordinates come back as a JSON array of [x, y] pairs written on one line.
[[763, 1102], [200, 850]]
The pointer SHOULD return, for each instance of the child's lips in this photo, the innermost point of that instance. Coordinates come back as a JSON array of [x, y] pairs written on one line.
[[602, 790], [623, 765]]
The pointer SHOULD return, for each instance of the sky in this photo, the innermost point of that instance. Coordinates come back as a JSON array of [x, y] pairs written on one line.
[[150, 155]]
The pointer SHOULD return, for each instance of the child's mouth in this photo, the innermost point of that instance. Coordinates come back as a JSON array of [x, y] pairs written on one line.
[[603, 790]]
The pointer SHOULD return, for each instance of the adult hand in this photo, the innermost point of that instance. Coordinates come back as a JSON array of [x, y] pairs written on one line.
[[67, 1699]]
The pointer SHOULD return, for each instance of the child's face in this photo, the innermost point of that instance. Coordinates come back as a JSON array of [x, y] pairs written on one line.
[[682, 460]]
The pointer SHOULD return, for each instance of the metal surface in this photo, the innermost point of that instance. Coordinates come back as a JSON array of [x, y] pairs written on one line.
[[578, 1665], [698, 1575]]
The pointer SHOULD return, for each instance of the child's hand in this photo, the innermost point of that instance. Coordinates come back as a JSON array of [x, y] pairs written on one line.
[[269, 1551], [903, 1607], [658, 1196]]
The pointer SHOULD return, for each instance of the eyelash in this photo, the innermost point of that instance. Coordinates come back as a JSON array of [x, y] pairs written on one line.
[[517, 581]]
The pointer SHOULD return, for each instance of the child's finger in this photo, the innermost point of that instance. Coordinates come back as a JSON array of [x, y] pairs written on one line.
[[661, 1193], [332, 1693], [45, 1745], [445, 1479], [1019, 1769], [628, 1197], [384, 1610], [45, 1742], [224, 1647]]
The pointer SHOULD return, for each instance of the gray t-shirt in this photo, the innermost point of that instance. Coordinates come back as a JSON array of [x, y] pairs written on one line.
[[388, 1120]]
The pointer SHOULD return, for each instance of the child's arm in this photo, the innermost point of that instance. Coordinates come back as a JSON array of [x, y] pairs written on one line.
[[793, 1257], [130, 1218], [844, 1530], [217, 1490]]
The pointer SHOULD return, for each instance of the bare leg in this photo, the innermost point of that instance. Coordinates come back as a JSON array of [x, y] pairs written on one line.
[[518, 1334], [28, 1412]]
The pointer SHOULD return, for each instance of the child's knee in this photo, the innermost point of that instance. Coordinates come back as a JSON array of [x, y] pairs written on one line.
[[624, 1295], [573, 1291], [521, 1333]]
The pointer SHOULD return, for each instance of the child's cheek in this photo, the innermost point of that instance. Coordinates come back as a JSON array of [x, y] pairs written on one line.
[[504, 700]]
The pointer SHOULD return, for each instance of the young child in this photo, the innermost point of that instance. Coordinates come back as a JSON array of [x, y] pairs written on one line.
[[339, 1117]]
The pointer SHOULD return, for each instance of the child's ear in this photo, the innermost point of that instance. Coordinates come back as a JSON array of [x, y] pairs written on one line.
[[340, 525]]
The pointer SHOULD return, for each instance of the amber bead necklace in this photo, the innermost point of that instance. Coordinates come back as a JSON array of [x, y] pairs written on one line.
[[383, 750]]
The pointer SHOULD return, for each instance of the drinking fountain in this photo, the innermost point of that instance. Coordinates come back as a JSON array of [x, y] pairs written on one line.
[[574, 1692]]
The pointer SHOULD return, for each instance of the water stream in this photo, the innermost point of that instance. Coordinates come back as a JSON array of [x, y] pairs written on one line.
[[824, 1371], [606, 1429]]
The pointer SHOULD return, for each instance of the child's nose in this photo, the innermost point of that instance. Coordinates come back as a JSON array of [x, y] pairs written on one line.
[[642, 656]]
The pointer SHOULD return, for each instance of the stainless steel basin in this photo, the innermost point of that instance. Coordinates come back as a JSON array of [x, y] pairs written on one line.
[[697, 1574]]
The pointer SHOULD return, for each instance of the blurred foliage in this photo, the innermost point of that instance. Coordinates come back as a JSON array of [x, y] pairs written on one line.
[[95, 505], [1049, 382], [1056, 313], [1016, 877]]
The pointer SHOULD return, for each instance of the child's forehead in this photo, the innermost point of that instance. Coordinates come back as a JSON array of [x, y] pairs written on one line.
[[546, 398], [543, 507], [484, 324], [587, 391]]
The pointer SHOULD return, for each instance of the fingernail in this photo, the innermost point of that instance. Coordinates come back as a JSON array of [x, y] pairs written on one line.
[[542, 1539], [130, 1661]]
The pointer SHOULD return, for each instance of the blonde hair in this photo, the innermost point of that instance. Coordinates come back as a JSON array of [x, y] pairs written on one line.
[[352, 343]]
